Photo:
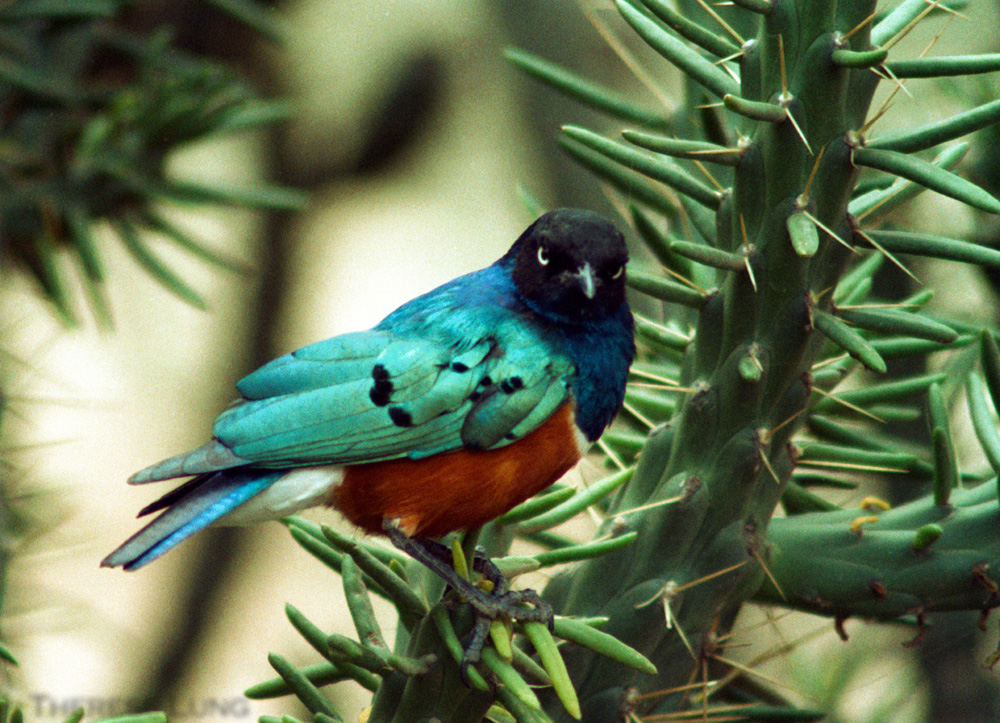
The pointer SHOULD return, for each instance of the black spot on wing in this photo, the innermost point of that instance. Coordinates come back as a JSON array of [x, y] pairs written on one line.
[[400, 417], [459, 367], [509, 386], [381, 390]]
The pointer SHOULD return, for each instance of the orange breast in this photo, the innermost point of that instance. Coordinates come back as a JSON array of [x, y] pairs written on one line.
[[458, 490]]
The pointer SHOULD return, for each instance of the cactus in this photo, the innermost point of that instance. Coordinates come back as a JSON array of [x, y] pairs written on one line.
[[763, 198], [93, 108]]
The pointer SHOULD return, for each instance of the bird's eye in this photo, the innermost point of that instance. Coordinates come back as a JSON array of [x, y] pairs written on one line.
[[613, 272], [543, 255]]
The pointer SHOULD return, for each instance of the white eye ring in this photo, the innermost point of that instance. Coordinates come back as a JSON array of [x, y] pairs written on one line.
[[543, 255], [619, 272]]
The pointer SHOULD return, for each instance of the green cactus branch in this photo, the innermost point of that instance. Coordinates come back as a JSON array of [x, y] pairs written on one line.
[[914, 559], [94, 110]]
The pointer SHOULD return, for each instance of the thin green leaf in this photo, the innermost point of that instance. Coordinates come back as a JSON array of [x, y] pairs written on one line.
[[945, 66], [304, 690], [940, 247], [860, 59], [712, 42], [847, 339], [264, 20], [989, 357], [931, 134], [878, 204], [885, 392], [536, 505], [755, 109], [898, 20], [983, 422], [709, 256], [359, 605], [901, 323], [945, 467], [684, 148], [154, 717], [823, 452], [659, 169], [928, 175], [679, 53], [166, 228], [392, 586], [509, 678], [585, 551], [278, 198], [660, 335], [631, 184], [319, 675], [664, 289], [587, 92], [579, 502], [797, 500], [544, 644], [130, 237], [449, 637], [602, 643]]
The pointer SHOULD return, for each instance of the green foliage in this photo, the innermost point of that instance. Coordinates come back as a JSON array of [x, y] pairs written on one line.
[[764, 197], [93, 110]]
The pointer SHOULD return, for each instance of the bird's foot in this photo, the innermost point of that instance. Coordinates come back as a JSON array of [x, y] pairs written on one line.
[[493, 601]]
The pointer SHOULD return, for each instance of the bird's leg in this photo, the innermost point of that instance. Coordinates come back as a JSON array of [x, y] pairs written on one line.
[[525, 605]]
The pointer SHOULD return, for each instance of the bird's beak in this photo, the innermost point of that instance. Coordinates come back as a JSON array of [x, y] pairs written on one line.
[[585, 276]]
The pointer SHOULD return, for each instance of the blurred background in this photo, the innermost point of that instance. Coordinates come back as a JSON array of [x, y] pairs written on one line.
[[418, 145]]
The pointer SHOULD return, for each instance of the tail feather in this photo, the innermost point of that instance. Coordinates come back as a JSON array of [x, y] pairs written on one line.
[[209, 457], [196, 507]]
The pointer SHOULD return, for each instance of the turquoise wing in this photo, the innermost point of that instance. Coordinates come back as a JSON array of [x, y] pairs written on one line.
[[374, 395]]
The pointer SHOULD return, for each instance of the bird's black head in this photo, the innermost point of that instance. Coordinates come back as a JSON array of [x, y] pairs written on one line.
[[571, 264]]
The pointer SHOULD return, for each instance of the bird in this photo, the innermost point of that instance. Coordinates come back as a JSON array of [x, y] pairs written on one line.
[[459, 405]]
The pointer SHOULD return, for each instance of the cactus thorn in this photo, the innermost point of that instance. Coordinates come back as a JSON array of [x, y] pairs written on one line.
[[828, 231], [983, 579], [864, 23], [858, 522], [882, 250], [802, 201], [921, 630], [873, 504], [838, 625]]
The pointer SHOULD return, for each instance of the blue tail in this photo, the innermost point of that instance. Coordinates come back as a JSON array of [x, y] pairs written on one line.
[[189, 508]]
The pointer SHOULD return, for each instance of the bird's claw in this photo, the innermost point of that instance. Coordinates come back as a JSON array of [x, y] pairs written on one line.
[[522, 605]]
